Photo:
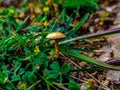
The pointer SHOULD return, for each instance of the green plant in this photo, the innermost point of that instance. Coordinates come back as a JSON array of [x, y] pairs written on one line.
[[25, 52], [57, 71], [87, 6], [83, 4]]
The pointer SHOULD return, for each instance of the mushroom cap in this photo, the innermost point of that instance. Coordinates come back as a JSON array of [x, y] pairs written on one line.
[[55, 35]]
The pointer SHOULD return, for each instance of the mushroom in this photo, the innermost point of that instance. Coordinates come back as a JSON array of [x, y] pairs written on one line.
[[56, 36]]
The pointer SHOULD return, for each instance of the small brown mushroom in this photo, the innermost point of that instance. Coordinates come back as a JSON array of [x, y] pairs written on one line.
[[56, 36]]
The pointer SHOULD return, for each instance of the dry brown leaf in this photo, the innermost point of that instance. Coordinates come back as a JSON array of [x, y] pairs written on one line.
[[114, 75]]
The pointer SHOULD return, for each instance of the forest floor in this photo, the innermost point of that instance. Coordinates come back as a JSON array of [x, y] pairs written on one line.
[[105, 18], [107, 48]]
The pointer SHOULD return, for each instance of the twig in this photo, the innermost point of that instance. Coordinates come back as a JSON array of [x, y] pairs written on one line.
[[85, 72], [34, 84], [70, 60], [85, 81], [48, 88], [59, 85]]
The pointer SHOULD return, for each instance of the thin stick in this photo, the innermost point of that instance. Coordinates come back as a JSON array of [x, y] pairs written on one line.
[[48, 88], [85, 72], [34, 84], [59, 85]]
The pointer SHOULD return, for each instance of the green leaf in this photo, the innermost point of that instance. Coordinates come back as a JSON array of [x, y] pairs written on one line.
[[75, 48], [32, 77], [19, 38], [55, 66], [2, 78], [65, 68], [9, 86], [91, 60], [4, 67], [21, 71], [29, 77], [1, 21], [2, 41], [22, 86], [78, 25], [25, 77], [5, 39], [73, 86], [89, 5], [15, 78], [53, 74]]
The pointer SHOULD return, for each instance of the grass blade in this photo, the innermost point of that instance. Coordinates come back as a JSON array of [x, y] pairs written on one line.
[[75, 48], [91, 61], [22, 23], [105, 32], [78, 25]]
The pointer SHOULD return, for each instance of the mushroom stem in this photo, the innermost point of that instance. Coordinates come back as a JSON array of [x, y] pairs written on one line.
[[56, 48], [56, 36]]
